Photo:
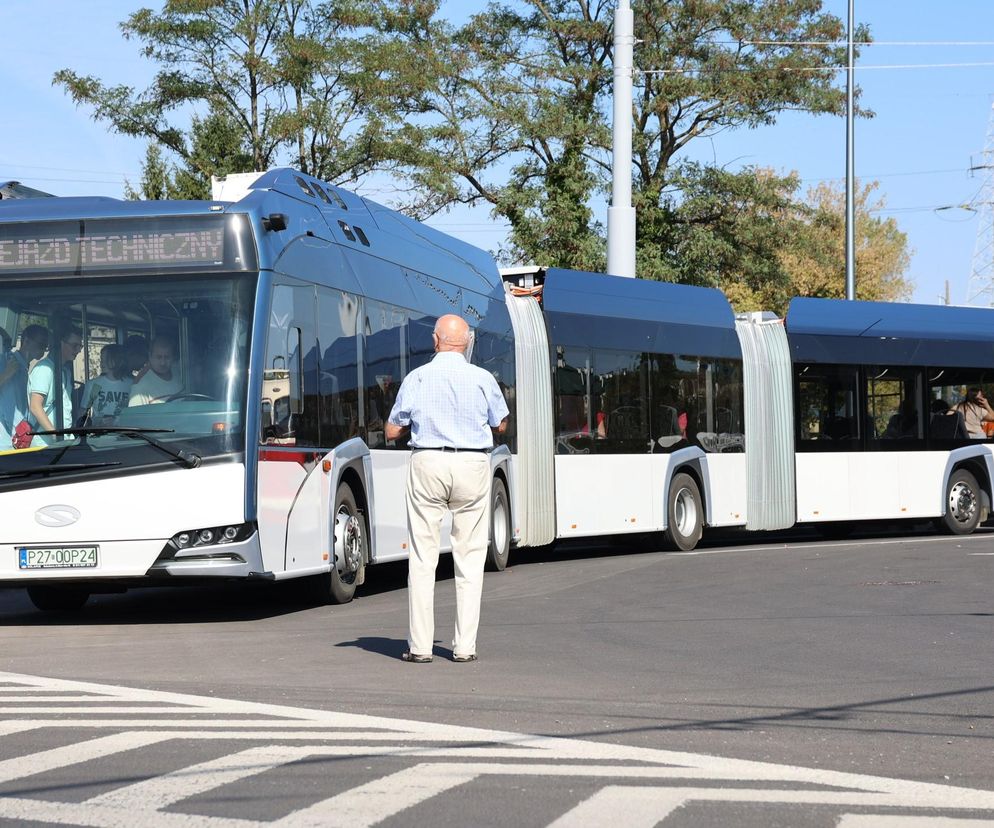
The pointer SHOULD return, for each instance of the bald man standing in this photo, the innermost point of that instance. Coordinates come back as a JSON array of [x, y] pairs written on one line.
[[452, 410]]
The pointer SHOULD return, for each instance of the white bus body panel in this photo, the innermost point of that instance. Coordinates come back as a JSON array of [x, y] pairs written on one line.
[[129, 517], [610, 494], [605, 494], [870, 485], [389, 509], [725, 484], [279, 483]]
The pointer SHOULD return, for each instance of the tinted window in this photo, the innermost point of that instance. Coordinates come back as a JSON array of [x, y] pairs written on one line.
[[622, 378], [827, 407], [290, 374], [893, 406], [384, 366], [338, 384], [951, 416]]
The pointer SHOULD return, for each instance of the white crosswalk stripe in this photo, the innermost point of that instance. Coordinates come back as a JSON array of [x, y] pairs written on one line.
[[257, 741]]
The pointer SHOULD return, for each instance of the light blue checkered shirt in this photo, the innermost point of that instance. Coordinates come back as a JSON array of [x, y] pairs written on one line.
[[450, 403]]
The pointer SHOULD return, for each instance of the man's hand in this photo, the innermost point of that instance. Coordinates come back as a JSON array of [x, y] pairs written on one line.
[[391, 431]]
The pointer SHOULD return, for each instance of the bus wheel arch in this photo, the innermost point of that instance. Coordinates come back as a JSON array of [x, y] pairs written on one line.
[[685, 510], [499, 541]]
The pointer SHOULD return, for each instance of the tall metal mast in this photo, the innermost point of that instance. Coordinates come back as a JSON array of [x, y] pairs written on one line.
[[850, 176], [621, 214]]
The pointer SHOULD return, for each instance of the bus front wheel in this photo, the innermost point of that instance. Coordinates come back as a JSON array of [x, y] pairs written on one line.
[[962, 503], [351, 548], [500, 527], [52, 598], [684, 513]]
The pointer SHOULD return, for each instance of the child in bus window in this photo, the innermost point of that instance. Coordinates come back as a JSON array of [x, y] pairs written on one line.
[[107, 395]]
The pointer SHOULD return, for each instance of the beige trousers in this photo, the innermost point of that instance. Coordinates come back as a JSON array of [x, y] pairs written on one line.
[[437, 482]]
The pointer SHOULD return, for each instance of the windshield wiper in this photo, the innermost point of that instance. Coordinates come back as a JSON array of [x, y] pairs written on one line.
[[187, 458], [63, 467]]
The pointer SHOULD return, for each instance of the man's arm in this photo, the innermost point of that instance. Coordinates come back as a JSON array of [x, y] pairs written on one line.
[[500, 429], [37, 407], [392, 431]]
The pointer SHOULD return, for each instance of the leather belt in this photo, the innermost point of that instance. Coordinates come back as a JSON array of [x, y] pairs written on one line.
[[449, 448]]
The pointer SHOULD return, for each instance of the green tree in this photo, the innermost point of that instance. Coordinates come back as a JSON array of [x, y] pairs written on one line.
[[511, 110], [279, 79], [816, 259]]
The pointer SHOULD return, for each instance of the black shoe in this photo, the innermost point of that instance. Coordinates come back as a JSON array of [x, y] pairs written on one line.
[[415, 658], [463, 659]]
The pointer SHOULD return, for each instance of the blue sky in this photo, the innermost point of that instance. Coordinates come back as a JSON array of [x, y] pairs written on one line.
[[930, 126]]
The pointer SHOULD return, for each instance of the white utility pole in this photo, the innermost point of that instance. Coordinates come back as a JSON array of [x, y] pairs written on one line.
[[621, 214], [850, 175]]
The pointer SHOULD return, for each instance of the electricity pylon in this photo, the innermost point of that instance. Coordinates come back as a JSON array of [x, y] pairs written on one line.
[[980, 289]]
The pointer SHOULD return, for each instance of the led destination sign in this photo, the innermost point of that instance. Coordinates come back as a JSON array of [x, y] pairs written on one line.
[[112, 244]]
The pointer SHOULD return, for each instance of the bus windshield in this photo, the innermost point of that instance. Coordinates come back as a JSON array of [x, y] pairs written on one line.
[[110, 358]]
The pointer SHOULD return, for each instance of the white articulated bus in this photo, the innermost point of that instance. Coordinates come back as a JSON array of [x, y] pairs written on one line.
[[289, 314]]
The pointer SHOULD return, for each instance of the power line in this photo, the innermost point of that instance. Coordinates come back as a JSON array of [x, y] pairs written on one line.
[[698, 70]]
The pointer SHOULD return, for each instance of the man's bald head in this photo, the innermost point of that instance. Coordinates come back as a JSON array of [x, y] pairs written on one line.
[[451, 333]]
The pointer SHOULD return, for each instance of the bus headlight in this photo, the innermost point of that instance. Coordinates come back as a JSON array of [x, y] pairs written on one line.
[[208, 536]]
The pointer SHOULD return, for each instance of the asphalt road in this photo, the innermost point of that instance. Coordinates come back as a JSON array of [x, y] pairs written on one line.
[[756, 681]]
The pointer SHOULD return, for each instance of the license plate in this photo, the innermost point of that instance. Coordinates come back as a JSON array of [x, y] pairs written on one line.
[[57, 557]]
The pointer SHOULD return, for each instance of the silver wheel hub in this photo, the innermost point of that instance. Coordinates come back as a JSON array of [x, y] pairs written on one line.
[[348, 542], [685, 512], [962, 503]]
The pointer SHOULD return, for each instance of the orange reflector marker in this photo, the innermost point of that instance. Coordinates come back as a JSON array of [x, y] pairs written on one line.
[[403, 546], [219, 428], [326, 466], [325, 556], [572, 526]]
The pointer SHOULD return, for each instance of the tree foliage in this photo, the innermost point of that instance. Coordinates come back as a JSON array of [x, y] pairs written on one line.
[[510, 110], [282, 74]]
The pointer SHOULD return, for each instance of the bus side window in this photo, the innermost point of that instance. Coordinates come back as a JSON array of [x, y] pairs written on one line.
[[291, 358]]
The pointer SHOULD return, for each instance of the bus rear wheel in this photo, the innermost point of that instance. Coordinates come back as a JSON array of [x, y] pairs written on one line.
[[962, 503], [500, 527], [54, 598], [684, 513]]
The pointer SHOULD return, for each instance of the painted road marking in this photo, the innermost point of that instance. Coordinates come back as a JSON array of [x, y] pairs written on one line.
[[645, 784]]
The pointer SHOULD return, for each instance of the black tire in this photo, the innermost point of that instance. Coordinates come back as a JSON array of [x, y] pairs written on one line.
[[55, 598], [499, 548], [349, 540], [684, 513], [963, 507]]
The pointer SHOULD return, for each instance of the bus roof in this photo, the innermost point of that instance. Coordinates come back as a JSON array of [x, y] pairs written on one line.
[[386, 233], [650, 316], [845, 332]]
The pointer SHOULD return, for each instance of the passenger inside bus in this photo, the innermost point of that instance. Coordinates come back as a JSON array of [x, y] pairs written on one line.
[[903, 424], [14, 380], [976, 411], [136, 354], [107, 395], [44, 387], [160, 382], [946, 423]]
